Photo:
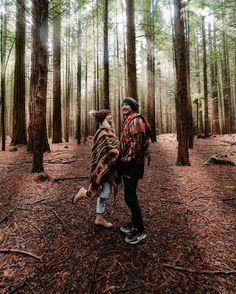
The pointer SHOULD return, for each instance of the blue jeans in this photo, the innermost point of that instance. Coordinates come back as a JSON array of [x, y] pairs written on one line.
[[106, 192], [131, 199]]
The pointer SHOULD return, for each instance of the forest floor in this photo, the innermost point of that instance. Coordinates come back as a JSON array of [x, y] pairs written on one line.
[[189, 214]]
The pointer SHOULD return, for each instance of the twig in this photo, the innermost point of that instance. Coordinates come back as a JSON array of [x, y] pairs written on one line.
[[58, 161], [37, 201], [126, 289], [62, 222], [193, 271], [171, 201], [70, 178], [9, 250]]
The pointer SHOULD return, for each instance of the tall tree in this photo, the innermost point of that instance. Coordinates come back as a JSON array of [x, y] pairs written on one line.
[[3, 39], [149, 34], [79, 71], [57, 124], [106, 58], [181, 84], [19, 121], [131, 50], [213, 75], [67, 83], [39, 83], [206, 115], [190, 116], [226, 84]]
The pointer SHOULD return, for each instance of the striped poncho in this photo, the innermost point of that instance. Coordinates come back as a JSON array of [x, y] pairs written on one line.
[[135, 139], [105, 152]]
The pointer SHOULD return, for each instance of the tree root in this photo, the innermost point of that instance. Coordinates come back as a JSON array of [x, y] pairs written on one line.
[[9, 250], [193, 271]]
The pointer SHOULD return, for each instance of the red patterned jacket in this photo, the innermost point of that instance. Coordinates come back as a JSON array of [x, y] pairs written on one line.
[[135, 139]]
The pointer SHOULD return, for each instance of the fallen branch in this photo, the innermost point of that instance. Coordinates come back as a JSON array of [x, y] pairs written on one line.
[[126, 289], [62, 222], [59, 162], [193, 271], [171, 201], [9, 250], [70, 178], [39, 200]]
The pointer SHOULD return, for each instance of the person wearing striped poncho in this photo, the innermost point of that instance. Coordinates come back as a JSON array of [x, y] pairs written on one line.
[[105, 152]]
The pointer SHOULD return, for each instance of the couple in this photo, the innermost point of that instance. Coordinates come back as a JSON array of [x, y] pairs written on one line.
[[127, 157]]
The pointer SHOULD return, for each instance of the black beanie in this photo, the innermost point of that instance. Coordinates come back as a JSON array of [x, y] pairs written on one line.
[[131, 102]]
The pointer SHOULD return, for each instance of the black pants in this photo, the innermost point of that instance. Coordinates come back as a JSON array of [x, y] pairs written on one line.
[[131, 199]]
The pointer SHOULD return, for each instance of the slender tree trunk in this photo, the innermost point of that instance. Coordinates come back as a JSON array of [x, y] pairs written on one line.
[[57, 123], [19, 122], [68, 88], [190, 115], [206, 116], [214, 92], [106, 59], [149, 32], [159, 106], [39, 87], [3, 77], [228, 123], [79, 72], [86, 87], [181, 86], [131, 50]]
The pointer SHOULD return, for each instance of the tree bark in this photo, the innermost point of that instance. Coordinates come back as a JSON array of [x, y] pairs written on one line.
[[57, 123], [39, 87], [181, 84], [19, 121], [79, 61], [206, 115], [3, 77], [105, 58], [214, 92], [131, 50]]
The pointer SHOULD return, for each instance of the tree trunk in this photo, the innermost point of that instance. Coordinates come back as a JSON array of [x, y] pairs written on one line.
[[79, 60], [39, 86], [214, 92], [190, 115], [3, 77], [106, 59], [228, 122], [19, 122], [206, 116], [57, 123], [181, 85], [131, 50], [67, 87], [38, 71], [149, 32]]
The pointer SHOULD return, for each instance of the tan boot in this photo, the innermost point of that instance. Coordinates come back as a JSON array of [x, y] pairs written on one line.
[[81, 194], [100, 221]]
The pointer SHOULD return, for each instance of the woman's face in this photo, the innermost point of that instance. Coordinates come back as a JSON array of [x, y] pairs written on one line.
[[109, 118]]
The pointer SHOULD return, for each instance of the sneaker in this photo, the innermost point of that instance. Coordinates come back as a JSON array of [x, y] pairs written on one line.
[[127, 228], [135, 237]]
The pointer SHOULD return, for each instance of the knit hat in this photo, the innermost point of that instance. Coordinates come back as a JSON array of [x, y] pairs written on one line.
[[100, 115], [131, 102]]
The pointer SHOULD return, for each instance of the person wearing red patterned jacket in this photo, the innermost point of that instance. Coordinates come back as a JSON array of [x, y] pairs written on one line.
[[134, 143]]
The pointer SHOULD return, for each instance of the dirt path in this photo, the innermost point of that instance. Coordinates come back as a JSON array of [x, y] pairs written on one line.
[[189, 213]]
